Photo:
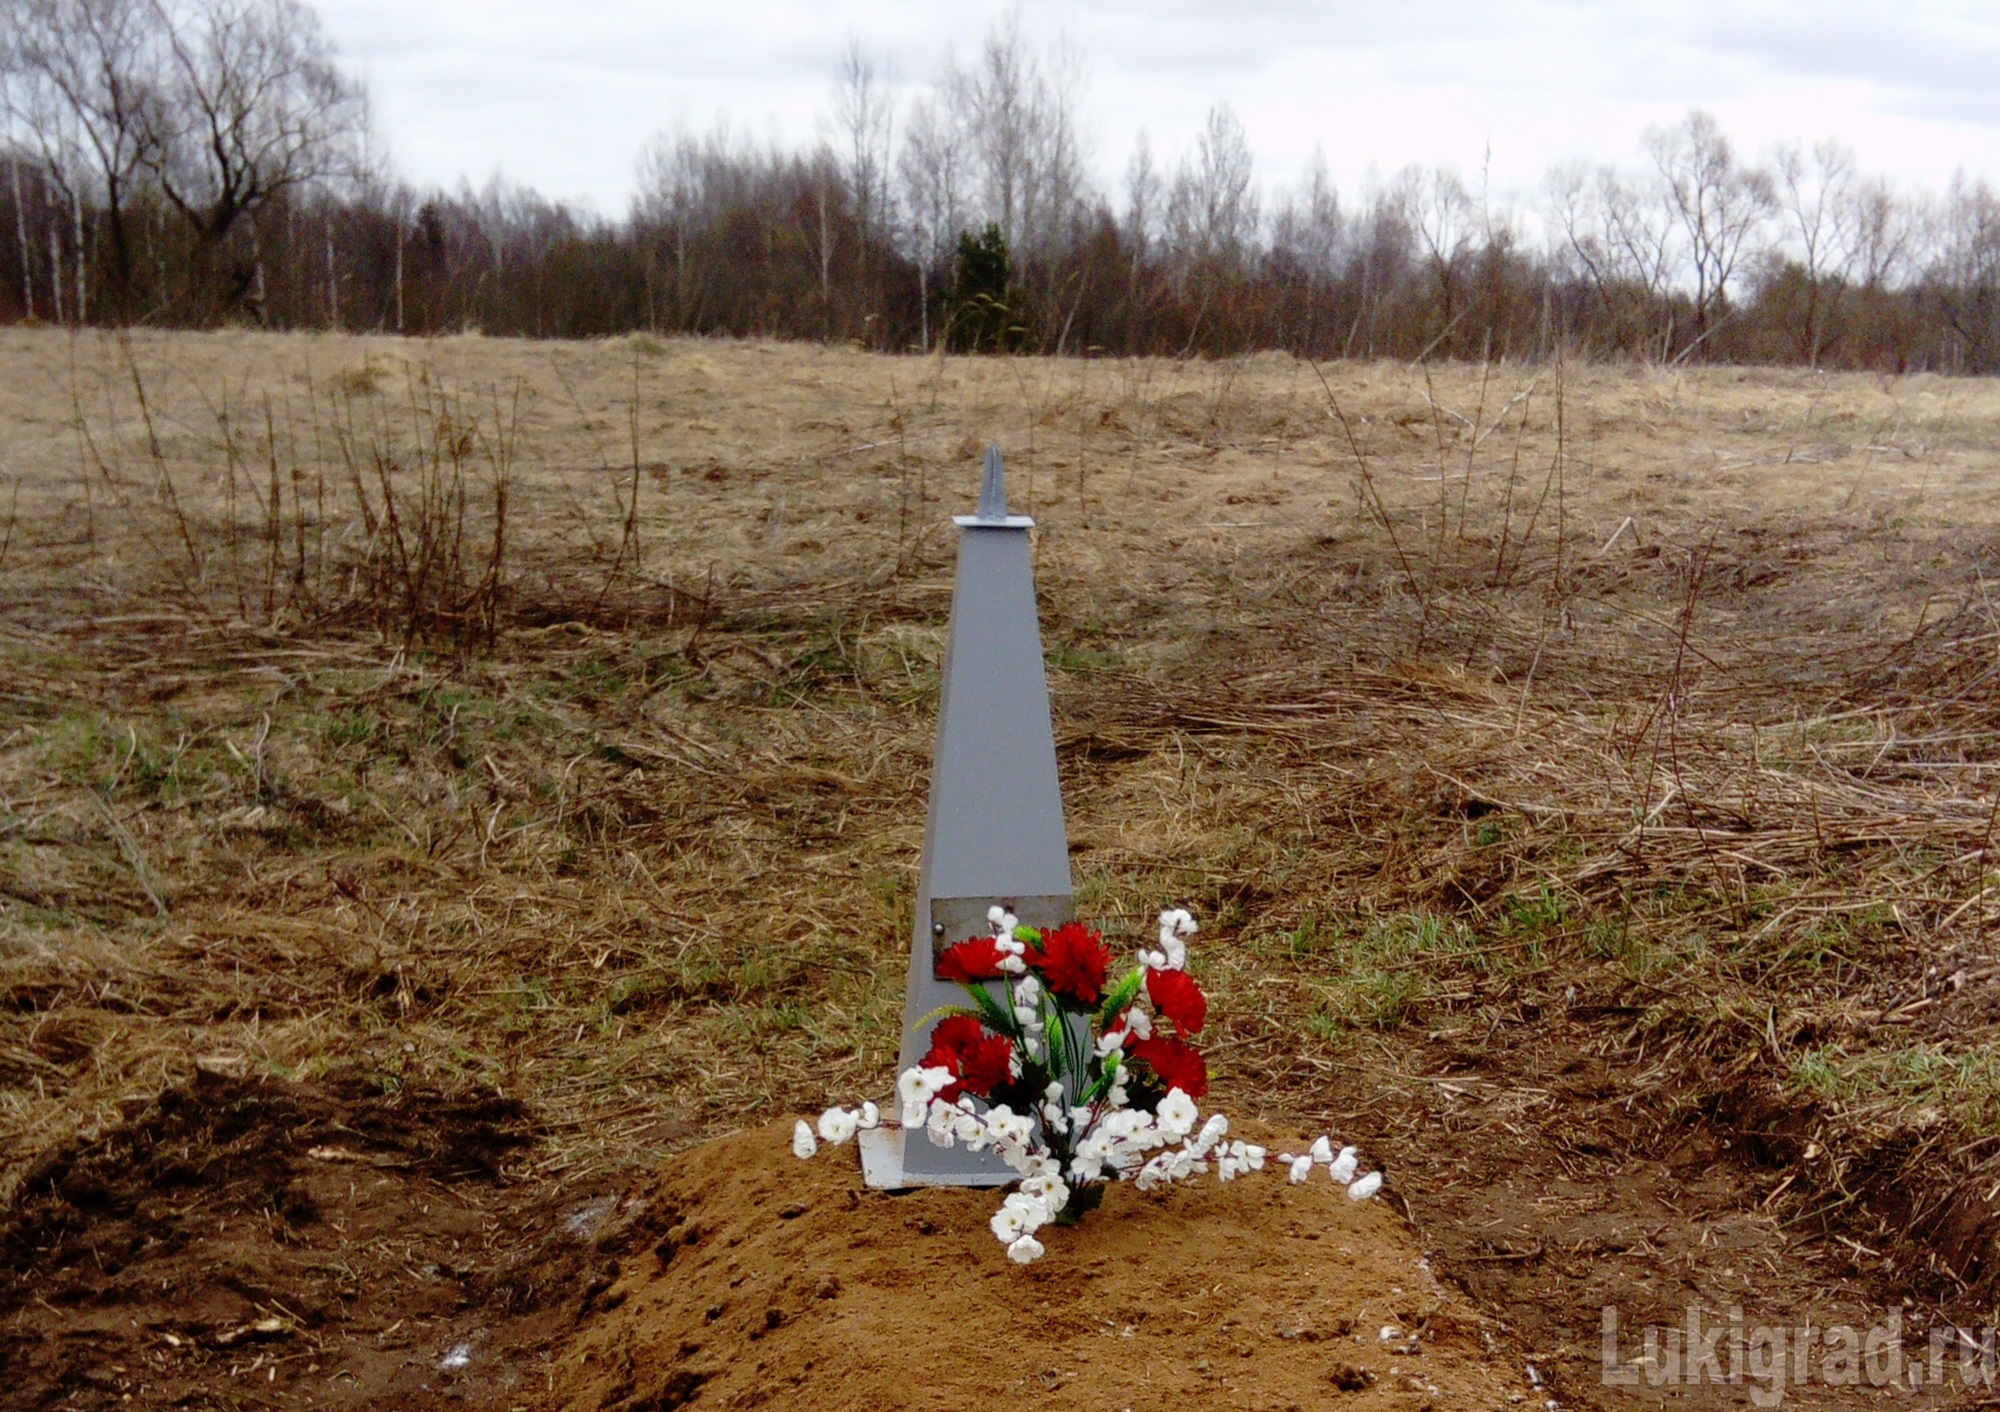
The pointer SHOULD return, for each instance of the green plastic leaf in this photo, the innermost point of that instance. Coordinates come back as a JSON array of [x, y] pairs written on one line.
[[948, 1012], [1105, 1079], [1000, 1017], [1119, 997]]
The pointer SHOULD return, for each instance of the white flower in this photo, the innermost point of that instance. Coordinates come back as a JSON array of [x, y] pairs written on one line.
[[1139, 1023], [1049, 1191], [1122, 1124], [1344, 1165], [1366, 1187], [1322, 1150], [836, 1125], [1212, 1132], [1028, 989], [1002, 920], [921, 1085], [1009, 1224], [1115, 1039], [871, 1116], [1025, 1251], [1007, 1126], [1013, 965], [943, 1115], [1092, 1154], [1302, 1167], [1177, 1113], [1247, 1156], [803, 1143], [967, 1128], [1172, 955], [1019, 1214]]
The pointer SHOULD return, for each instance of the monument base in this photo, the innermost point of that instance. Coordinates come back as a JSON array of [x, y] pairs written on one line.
[[882, 1166]]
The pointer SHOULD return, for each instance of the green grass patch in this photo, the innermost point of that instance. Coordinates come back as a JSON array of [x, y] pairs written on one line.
[[1918, 1083]]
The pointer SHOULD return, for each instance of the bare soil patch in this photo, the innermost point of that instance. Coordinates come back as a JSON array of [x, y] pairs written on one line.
[[776, 1282], [250, 1242]]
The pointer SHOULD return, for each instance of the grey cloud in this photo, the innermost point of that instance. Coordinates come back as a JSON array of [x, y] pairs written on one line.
[[564, 98], [1924, 65]]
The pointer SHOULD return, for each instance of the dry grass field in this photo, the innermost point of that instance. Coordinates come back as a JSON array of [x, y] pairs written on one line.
[[440, 780]]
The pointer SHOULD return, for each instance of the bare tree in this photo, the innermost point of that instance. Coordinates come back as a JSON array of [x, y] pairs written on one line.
[[1018, 116], [1623, 245], [932, 165], [1884, 231], [1718, 204], [820, 224], [21, 231], [253, 106], [1436, 205], [667, 207], [862, 120], [88, 89], [1378, 259], [1305, 249], [1213, 211], [15, 139], [1142, 199], [1307, 227], [1965, 270], [1815, 195]]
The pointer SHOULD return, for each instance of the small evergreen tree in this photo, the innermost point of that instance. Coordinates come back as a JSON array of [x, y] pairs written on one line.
[[982, 305]]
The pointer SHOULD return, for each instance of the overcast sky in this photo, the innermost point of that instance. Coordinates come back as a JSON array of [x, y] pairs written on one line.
[[562, 97]]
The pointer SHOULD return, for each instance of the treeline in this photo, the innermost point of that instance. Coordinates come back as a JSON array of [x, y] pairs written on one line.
[[190, 162]]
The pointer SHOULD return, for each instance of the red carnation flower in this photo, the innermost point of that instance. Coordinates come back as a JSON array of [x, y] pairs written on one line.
[[976, 958], [1073, 961], [1175, 1061], [985, 1066], [1175, 995], [981, 1062], [956, 1032]]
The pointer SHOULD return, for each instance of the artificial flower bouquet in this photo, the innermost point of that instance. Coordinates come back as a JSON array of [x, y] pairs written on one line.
[[1074, 1080]]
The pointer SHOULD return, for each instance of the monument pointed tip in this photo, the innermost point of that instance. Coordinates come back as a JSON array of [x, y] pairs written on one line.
[[993, 487], [993, 512]]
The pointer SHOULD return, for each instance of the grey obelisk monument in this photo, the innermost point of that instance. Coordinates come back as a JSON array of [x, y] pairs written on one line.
[[994, 833]]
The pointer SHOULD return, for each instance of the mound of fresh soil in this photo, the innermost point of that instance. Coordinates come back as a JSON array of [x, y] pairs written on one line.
[[251, 1242], [787, 1283]]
